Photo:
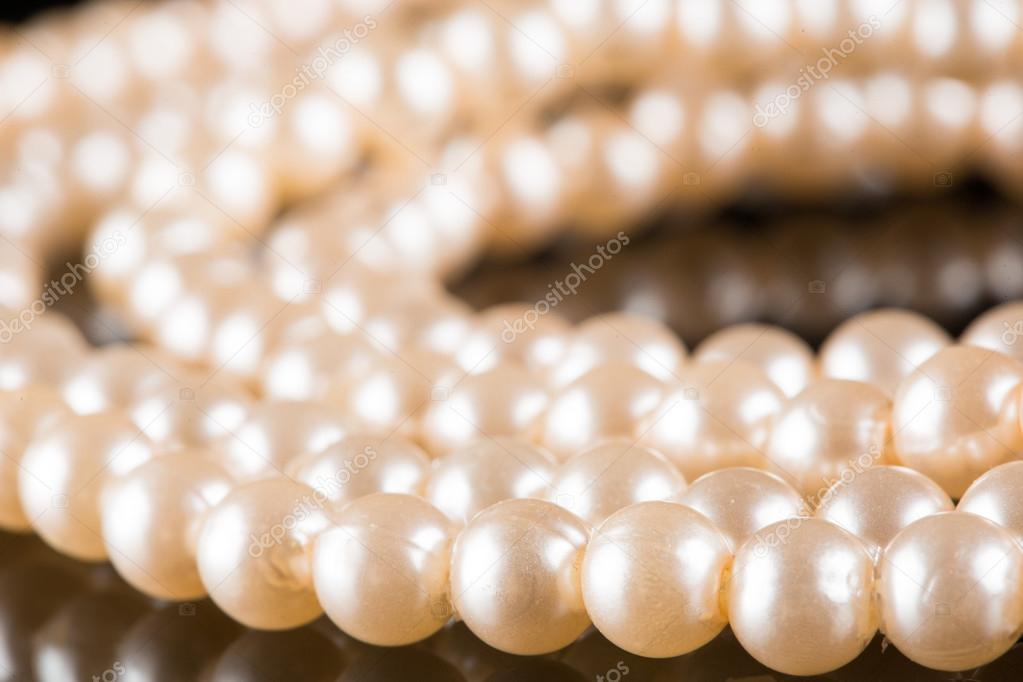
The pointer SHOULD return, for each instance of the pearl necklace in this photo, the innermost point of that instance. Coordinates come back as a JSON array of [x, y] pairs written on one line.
[[323, 488]]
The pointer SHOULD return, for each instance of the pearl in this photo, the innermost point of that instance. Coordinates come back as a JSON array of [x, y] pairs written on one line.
[[740, 501], [115, 376], [624, 337], [182, 416], [278, 432], [718, 416], [306, 368], [608, 401], [515, 333], [600, 480], [995, 496], [881, 347], [254, 553], [652, 579], [956, 416], [999, 329], [151, 517], [63, 472], [833, 429], [468, 480], [24, 414], [515, 576], [45, 352], [784, 357], [802, 604], [362, 464], [505, 401], [381, 572], [948, 590], [875, 504]]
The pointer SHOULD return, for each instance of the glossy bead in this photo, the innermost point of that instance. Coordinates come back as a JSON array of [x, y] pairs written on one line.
[[381, 573], [740, 501], [278, 432], [183, 416], [957, 416], [784, 357], [255, 551], [608, 401], [602, 479], [151, 518], [44, 351], [652, 579], [513, 333], [362, 464], [621, 337], [881, 347], [505, 401], [800, 599], [717, 416], [831, 430], [515, 576], [468, 480], [115, 376], [876, 503], [306, 368], [948, 590], [996, 497], [63, 472], [999, 329]]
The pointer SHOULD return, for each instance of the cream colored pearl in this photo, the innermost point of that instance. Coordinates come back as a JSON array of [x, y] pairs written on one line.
[[602, 479], [641, 341], [183, 416], [151, 517], [949, 592], [740, 501], [467, 481], [255, 550], [881, 347], [957, 416], [784, 357], [996, 497], [44, 352], [875, 504], [362, 464], [608, 401], [505, 401], [800, 599], [116, 376], [832, 429], [652, 579], [718, 416], [515, 576], [513, 333], [999, 329], [24, 414], [305, 368], [277, 433], [381, 573], [63, 472]]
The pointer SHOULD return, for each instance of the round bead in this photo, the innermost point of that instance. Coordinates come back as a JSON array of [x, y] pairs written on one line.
[[182, 416], [305, 368], [784, 357], [957, 416], [800, 599], [381, 573], [717, 417], [832, 429], [467, 481], [608, 401], [881, 347], [116, 376], [63, 472], [999, 329], [505, 401], [513, 333], [254, 553], [150, 520], [515, 576], [996, 496], [363, 464], [652, 579], [602, 479], [875, 504], [740, 501], [43, 352], [948, 590]]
